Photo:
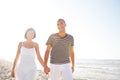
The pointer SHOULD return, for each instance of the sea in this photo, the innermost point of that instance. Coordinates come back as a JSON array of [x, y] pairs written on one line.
[[97, 69]]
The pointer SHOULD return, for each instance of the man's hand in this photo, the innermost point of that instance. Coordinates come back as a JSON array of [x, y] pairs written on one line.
[[72, 69], [46, 70]]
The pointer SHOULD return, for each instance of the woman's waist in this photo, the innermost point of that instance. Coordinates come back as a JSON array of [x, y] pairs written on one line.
[[27, 62]]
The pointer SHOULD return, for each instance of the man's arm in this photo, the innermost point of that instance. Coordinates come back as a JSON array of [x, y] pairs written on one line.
[[47, 52], [72, 57]]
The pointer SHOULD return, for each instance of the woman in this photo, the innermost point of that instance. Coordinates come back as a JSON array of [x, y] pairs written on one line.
[[26, 70]]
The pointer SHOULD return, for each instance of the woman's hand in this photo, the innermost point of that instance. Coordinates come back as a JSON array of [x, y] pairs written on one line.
[[12, 74]]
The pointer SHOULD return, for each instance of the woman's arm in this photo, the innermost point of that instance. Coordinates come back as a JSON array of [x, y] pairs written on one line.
[[38, 55], [16, 59]]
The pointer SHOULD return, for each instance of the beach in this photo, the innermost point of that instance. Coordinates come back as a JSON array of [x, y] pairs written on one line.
[[84, 70], [5, 71]]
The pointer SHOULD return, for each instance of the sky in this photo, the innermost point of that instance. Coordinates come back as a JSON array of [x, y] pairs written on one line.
[[95, 25]]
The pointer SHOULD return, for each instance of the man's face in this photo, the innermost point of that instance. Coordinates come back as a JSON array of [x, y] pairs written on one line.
[[61, 25]]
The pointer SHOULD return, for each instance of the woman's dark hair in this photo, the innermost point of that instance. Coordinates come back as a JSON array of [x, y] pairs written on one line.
[[30, 29]]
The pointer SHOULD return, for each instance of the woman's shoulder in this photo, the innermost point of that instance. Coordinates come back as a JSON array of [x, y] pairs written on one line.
[[35, 44], [21, 43]]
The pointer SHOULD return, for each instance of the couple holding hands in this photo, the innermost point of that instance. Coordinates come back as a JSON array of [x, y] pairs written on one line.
[[60, 48]]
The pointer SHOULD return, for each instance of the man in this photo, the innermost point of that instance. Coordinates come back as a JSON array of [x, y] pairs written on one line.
[[61, 51]]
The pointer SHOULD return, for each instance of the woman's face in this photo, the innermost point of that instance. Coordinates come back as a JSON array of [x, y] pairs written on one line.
[[30, 35]]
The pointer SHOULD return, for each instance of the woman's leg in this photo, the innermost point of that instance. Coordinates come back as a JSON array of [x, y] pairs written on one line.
[[31, 74]]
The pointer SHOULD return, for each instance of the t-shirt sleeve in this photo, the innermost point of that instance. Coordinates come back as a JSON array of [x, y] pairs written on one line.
[[49, 41], [72, 41]]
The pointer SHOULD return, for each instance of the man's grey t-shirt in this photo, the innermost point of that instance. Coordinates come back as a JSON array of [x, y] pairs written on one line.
[[60, 52]]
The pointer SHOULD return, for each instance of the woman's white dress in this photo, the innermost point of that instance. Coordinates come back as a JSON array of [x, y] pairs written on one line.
[[26, 69]]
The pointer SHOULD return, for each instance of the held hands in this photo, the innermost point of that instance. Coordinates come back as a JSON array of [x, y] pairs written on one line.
[[46, 69]]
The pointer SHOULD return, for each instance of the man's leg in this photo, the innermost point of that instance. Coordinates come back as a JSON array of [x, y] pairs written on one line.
[[67, 72], [55, 72]]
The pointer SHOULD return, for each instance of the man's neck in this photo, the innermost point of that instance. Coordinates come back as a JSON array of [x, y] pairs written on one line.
[[62, 34]]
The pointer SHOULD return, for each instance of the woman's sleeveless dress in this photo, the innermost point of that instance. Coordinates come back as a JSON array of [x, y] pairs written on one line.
[[26, 70]]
